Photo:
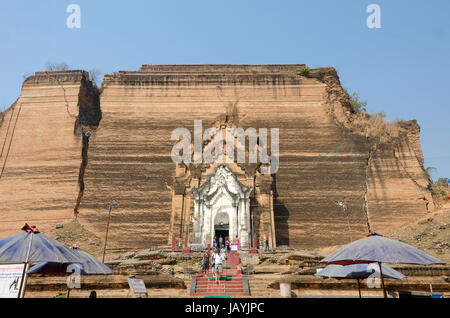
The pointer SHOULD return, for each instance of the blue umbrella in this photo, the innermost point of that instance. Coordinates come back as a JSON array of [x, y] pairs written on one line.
[[356, 271], [32, 247], [376, 248], [89, 266], [29, 247]]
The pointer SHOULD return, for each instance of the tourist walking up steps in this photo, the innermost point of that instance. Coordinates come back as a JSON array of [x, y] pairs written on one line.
[[205, 265], [237, 243], [227, 243], [218, 264]]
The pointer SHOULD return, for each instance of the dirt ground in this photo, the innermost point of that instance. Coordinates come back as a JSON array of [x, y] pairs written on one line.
[[74, 233], [430, 234]]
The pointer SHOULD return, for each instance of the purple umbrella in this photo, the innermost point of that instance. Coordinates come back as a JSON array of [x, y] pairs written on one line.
[[33, 247], [376, 248]]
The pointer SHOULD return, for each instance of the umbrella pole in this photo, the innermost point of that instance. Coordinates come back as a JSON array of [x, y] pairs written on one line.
[[25, 275], [21, 282], [359, 287], [382, 281], [24, 281]]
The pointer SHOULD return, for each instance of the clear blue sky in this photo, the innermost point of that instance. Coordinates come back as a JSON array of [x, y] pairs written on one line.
[[402, 69]]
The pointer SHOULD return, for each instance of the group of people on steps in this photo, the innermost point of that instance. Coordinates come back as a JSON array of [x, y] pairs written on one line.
[[216, 259]]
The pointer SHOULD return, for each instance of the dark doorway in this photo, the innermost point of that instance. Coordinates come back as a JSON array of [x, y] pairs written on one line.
[[221, 230]]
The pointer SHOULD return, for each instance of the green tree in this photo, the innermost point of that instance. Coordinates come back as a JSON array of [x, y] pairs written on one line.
[[356, 104]]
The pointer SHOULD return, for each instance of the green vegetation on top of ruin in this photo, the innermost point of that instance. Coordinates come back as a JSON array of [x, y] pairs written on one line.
[[304, 70], [356, 104]]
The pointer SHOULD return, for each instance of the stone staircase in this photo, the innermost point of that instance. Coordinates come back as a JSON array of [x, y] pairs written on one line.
[[232, 284]]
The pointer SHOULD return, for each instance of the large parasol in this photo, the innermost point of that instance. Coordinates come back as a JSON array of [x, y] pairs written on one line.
[[31, 246], [379, 249]]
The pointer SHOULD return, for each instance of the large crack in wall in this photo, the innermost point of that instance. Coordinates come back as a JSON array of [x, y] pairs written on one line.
[[84, 161], [86, 123]]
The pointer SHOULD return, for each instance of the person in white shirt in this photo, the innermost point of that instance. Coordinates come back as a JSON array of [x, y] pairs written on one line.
[[218, 260]]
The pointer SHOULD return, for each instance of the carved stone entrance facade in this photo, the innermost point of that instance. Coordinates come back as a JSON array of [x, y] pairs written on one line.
[[228, 199], [222, 202]]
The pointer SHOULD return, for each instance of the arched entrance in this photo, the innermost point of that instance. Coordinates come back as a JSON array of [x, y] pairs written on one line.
[[222, 226]]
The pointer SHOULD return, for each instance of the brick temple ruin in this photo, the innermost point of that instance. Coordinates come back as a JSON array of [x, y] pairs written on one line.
[[70, 147]]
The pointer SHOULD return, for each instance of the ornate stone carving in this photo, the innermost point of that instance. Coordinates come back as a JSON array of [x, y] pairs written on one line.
[[217, 204]]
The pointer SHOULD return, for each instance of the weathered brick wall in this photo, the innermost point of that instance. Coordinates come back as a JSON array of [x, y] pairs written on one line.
[[321, 160], [41, 163]]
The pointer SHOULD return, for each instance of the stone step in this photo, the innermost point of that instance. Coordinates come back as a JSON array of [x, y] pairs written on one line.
[[220, 292], [219, 289], [226, 282], [204, 286], [223, 277], [218, 286], [232, 294]]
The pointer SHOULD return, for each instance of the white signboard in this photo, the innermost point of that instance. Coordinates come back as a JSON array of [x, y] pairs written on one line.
[[10, 280], [137, 285]]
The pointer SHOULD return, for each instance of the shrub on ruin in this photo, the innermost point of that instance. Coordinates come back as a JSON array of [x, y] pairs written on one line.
[[304, 70], [356, 104]]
